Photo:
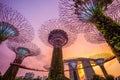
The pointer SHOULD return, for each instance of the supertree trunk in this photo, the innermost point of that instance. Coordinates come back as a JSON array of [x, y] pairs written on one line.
[[57, 67], [56, 63], [110, 30], [10, 74], [104, 71], [22, 51], [58, 37]]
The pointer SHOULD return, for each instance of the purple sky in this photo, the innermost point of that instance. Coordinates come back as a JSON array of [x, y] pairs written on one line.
[[36, 12]]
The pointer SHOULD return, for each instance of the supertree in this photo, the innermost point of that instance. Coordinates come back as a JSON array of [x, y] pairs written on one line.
[[92, 12], [22, 51], [13, 26], [67, 13], [54, 34]]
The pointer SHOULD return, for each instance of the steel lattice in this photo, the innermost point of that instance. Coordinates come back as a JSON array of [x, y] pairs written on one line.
[[51, 25], [12, 21]]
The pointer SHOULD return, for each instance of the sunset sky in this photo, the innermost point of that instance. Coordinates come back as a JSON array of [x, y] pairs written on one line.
[[37, 12]]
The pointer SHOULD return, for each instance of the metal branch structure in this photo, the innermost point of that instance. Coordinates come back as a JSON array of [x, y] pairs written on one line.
[[93, 12], [22, 51], [54, 24], [94, 36], [68, 11], [13, 26], [113, 11], [67, 14], [53, 33]]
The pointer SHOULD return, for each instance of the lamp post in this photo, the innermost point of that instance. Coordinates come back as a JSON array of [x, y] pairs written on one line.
[[22, 51], [53, 33]]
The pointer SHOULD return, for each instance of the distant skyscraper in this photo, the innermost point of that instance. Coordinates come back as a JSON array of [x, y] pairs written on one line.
[[86, 65], [100, 63]]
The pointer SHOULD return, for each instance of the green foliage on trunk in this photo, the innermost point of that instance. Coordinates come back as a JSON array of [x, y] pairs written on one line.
[[59, 77], [57, 67], [110, 30], [110, 77], [98, 77], [11, 72]]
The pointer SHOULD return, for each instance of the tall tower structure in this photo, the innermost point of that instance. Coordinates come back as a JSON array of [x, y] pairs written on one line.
[[54, 33], [93, 12], [100, 62], [13, 26], [22, 51], [73, 70], [86, 65]]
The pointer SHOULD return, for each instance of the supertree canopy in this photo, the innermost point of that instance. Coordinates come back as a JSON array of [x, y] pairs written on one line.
[[55, 24], [67, 14], [22, 51], [93, 12], [94, 36], [54, 33], [14, 26]]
